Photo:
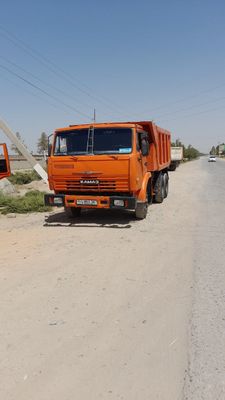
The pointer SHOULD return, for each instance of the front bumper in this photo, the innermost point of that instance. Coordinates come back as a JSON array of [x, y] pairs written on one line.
[[118, 202]]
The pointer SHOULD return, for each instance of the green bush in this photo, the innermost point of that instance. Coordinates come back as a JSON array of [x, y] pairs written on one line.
[[32, 201], [21, 178], [191, 153]]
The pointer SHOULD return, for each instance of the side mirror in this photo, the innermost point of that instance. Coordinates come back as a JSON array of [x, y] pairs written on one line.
[[144, 148]]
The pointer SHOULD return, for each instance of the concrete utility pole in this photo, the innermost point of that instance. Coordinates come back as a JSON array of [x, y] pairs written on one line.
[[38, 168]]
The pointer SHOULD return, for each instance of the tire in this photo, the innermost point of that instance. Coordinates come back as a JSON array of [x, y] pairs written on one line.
[[173, 167], [72, 212], [141, 210], [149, 192], [166, 185], [159, 189]]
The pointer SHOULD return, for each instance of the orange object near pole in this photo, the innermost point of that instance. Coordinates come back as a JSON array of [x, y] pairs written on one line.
[[4, 161]]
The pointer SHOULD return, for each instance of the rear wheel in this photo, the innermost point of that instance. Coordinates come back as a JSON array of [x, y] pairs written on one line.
[[173, 167], [72, 212], [149, 192], [166, 185], [159, 189]]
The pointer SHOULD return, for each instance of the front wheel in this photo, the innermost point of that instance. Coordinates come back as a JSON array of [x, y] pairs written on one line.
[[72, 212], [141, 210]]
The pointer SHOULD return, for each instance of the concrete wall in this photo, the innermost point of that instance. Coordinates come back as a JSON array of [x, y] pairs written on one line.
[[20, 163]]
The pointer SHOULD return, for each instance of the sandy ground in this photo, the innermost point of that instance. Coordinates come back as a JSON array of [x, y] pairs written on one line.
[[34, 185], [106, 307]]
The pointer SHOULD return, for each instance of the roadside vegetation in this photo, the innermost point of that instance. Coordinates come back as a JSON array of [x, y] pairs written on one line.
[[218, 150], [22, 178], [42, 144], [32, 201], [190, 153]]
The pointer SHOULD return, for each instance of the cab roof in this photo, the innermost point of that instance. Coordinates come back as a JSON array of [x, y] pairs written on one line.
[[99, 125]]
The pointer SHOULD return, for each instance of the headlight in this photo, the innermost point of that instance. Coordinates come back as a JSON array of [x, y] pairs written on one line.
[[58, 200], [119, 203]]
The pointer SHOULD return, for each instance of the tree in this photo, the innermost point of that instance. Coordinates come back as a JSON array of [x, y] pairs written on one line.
[[191, 153], [42, 144], [13, 146], [213, 151], [177, 143]]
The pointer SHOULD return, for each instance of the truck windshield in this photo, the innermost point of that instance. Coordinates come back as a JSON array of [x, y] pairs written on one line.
[[94, 141]]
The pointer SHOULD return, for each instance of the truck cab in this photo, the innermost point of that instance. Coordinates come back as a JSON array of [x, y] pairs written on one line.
[[4, 161]]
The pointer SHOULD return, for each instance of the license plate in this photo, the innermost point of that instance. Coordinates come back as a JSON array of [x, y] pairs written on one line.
[[87, 202]]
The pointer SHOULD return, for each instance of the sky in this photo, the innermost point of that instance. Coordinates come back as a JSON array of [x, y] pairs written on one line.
[[130, 60]]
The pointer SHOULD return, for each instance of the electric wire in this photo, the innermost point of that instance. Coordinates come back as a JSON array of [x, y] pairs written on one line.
[[185, 98], [42, 81], [44, 91], [190, 107], [36, 95], [54, 69], [46, 62], [194, 114]]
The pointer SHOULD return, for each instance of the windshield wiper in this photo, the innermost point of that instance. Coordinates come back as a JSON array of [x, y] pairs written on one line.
[[107, 152], [77, 153]]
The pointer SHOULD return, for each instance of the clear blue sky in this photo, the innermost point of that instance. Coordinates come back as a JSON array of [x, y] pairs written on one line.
[[131, 60]]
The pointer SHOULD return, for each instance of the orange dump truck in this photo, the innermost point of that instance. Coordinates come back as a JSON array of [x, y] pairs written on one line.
[[110, 166], [4, 161]]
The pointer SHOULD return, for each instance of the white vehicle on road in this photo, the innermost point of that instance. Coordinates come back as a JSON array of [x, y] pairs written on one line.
[[212, 158]]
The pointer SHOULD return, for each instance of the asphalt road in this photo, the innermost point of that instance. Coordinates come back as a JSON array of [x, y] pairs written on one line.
[[112, 308], [206, 372]]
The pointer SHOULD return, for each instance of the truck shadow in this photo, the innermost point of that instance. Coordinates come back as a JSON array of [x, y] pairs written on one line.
[[113, 219]]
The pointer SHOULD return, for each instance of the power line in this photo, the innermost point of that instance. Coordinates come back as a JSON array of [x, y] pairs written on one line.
[[36, 95], [191, 107], [44, 91], [42, 81], [195, 114], [62, 74], [183, 99]]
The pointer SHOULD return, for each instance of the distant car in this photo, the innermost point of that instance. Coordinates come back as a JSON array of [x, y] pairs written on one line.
[[212, 158]]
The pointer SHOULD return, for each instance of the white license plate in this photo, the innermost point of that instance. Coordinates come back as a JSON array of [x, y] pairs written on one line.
[[87, 202]]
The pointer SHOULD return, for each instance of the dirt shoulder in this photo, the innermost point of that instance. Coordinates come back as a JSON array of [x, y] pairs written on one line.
[[99, 308]]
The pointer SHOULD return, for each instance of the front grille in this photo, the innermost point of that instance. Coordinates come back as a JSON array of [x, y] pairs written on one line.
[[103, 185]]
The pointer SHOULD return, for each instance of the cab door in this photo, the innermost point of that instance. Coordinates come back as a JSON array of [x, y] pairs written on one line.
[[4, 161], [141, 161]]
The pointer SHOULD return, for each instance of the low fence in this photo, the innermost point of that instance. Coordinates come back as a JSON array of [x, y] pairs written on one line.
[[20, 163]]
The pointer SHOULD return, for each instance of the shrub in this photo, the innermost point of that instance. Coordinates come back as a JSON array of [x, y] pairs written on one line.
[[21, 178], [32, 201]]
